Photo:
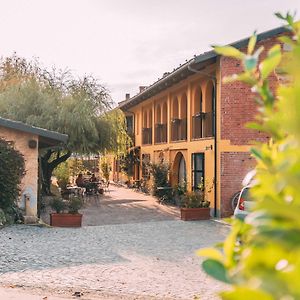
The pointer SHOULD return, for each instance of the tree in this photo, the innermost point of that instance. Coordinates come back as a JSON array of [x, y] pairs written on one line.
[[261, 256], [12, 169], [57, 101]]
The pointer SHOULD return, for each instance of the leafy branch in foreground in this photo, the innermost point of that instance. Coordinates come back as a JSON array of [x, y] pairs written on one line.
[[260, 258]]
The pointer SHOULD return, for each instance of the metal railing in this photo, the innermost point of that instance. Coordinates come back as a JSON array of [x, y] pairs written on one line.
[[160, 133], [178, 129], [147, 136], [202, 125]]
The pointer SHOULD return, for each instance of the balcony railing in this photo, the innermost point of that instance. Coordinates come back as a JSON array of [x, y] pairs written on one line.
[[208, 125], [160, 133], [178, 129], [147, 136], [202, 125]]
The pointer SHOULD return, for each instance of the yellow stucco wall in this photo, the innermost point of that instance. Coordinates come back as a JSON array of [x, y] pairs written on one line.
[[29, 184]]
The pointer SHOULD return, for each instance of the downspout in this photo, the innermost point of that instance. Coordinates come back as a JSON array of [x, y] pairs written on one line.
[[215, 148], [214, 79]]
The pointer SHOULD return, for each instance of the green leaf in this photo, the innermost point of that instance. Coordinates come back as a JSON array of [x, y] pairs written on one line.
[[271, 62], [256, 153], [210, 253], [255, 126], [229, 51], [286, 40], [252, 43], [245, 77], [216, 270], [258, 51], [246, 294], [250, 62]]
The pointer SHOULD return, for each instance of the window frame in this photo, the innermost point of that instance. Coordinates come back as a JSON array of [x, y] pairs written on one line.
[[197, 171]]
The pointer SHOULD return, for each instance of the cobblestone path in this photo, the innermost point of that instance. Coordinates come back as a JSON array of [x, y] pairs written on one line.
[[144, 260]]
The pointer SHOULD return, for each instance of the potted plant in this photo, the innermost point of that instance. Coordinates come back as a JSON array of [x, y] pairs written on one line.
[[194, 207], [66, 212]]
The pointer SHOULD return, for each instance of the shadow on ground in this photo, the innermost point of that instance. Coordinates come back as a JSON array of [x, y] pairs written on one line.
[[122, 206]]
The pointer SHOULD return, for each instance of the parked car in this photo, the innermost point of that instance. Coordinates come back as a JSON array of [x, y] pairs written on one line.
[[244, 203]]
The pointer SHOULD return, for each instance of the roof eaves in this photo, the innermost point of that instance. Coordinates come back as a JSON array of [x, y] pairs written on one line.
[[145, 93], [34, 130], [196, 60], [244, 42]]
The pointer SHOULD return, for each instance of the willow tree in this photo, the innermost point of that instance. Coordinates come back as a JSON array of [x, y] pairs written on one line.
[[56, 100]]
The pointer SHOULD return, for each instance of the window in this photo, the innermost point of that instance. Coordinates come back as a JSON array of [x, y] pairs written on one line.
[[129, 124], [197, 169], [137, 123]]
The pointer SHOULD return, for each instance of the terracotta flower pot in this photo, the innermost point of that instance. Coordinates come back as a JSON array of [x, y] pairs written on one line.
[[65, 220], [193, 214]]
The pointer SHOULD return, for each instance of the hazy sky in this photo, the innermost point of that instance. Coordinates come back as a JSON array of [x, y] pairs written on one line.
[[128, 43]]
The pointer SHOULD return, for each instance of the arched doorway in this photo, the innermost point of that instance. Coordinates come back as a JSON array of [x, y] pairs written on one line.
[[179, 170], [182, 172]]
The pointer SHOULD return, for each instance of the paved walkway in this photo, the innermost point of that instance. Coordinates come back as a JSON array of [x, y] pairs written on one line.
[[145, 256], [123, 206]]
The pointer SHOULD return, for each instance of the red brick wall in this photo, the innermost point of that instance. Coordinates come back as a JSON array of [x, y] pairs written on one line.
[[238, 106], [234, 167]]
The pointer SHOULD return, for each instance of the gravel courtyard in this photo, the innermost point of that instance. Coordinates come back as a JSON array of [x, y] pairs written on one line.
[[148, 255]]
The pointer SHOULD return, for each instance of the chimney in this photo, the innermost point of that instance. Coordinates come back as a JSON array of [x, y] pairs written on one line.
[[142, 88], [127, 96]]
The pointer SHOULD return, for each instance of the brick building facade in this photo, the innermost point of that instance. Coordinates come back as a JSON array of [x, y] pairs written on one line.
[[198, 122]]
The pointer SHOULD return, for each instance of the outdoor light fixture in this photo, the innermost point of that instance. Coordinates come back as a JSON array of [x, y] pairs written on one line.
[[32, 144], [210, 147]]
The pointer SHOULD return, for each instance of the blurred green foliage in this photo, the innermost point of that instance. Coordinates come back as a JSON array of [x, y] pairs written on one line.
[[12, 169], [260, 258]]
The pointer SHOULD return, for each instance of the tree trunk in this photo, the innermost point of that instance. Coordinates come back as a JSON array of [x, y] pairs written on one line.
[[48, 167]]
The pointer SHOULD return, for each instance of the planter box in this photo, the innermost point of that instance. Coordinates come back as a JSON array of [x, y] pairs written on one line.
[[65, 220], [193, 214]]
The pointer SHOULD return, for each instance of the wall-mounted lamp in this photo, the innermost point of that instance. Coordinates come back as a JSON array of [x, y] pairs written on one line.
[[210, 147], [32, 144]]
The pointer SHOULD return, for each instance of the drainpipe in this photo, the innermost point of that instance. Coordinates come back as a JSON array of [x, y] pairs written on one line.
[[214, 80]]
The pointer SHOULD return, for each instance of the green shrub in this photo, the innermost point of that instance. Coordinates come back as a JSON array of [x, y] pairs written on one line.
[[105, 170], [58, 205], [160, 172], [74, 204], [195, 200], [261, 256], [12, 169], [62, 173]]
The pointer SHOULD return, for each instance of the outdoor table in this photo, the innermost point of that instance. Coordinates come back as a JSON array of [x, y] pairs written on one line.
[[76, 190]]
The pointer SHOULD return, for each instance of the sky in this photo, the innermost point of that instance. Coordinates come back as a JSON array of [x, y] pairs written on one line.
[[129, 43]]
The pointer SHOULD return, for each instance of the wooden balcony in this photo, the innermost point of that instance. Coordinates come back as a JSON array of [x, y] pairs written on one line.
[[147, 136], [178, 129], [160, 133]]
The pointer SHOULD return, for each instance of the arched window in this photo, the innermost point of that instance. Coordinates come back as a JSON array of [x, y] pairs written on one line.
[[208, 125], [197, 119], [164, 113], [150, 119], [197, 101], [183, 117], [183, 107], [145, 119], [158, 115], [175, 110]]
